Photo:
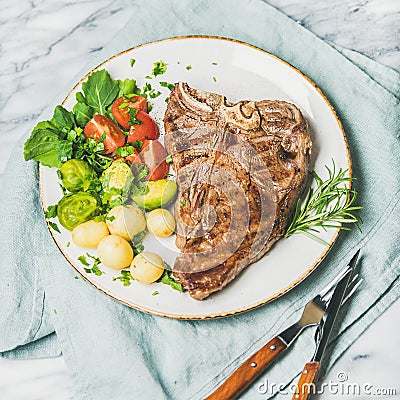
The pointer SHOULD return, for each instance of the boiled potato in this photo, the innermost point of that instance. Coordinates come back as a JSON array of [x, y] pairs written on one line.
[[89, 234], [147, 267], [126, 221], [160, 222], [115, 252]]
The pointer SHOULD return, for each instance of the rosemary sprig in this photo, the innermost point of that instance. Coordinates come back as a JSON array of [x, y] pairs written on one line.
[[329, 205]]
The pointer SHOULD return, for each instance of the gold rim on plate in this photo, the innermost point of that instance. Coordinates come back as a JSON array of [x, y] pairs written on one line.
[[264, 301]]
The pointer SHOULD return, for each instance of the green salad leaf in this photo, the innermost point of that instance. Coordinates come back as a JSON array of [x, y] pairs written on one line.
[[83, 114], [62, 119], [42, 146], [126, 87], [100, 91], [47, 143]]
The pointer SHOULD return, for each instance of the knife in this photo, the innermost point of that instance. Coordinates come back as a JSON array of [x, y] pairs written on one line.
[[312, 314], [309, 375]]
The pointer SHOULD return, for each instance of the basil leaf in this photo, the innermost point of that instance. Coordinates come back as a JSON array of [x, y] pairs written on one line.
[[100, 91]]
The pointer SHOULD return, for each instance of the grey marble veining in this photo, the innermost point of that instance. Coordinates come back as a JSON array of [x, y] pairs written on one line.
[[46, 42], [371, 27]]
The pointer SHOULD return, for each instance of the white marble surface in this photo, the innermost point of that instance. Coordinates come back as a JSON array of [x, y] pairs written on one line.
[[45, 42]]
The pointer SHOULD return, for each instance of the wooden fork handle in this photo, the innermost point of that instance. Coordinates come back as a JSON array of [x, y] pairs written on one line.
[[249, 370], [308, 379]]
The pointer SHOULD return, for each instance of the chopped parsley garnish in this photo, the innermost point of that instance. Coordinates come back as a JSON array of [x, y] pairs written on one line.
[[51, 212], [183, 203], [166, 99], [55, 311], [125, 151], [137, 185], [154, 93], [54, 226], [168, 279], [148, 91], [159, 68], [155, 293], [125, 278], [76, 277], [169, 158], [148, 77], [83, 260], [132, 62], [214, 63], [111, 194], [214, 79], [170, 86], [110, 218], [95, 267], [136, 244], [188, 67], [132, 117], [68, 244], [99, 218], [94, 270], [123, 105], [137, 144]]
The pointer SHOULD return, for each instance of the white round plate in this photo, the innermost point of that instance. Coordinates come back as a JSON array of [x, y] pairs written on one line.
[[238, 71]]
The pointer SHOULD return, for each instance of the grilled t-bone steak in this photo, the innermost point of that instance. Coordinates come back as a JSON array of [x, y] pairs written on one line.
[[240, 169]]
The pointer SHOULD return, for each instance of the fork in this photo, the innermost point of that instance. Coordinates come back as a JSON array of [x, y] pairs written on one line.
[[312, 314]]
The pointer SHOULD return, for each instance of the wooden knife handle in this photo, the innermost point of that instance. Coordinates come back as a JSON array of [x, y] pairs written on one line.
[[308, 379], [249, 370]]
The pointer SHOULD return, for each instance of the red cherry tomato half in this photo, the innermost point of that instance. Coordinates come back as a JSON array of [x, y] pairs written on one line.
[[100, 124], [120, 108], [148, 130], [153, 155]]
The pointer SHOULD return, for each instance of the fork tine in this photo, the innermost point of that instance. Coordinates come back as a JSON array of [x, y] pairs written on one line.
[[351, 288], [351, 292], [341, 274]]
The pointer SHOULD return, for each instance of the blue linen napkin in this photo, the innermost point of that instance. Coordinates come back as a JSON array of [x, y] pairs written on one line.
[[114, 352]]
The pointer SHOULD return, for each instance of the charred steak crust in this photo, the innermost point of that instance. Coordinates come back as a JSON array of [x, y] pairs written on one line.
[[240, 170]]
